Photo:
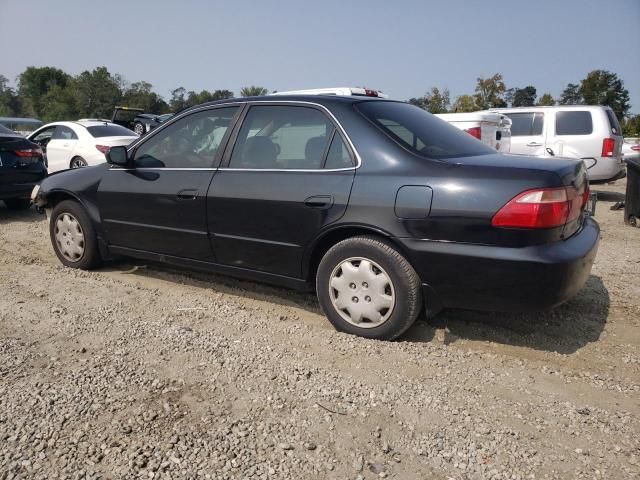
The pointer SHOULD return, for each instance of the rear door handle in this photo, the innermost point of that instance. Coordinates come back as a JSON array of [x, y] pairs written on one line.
[[187, 194], [534, 144], [321, 202]]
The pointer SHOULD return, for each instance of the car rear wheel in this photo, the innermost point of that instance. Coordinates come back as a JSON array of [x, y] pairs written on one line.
[[73, 237], [138, 128], [366, 287], [78, 162], [17, 203]]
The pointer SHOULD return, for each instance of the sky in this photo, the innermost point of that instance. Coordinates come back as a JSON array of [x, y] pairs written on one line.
[[403, 47]]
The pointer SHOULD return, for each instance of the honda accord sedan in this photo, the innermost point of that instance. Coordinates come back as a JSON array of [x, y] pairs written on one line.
[[382, 208]]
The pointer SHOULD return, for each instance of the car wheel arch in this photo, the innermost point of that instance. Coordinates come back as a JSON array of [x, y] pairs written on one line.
[[327, 239]]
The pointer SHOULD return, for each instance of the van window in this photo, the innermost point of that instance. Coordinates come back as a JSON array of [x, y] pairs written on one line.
[[613, 122], [526, 124], [574, 123]]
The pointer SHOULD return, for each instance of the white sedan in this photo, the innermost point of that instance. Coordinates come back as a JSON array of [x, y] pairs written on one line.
[[79, 144], [630, 151]]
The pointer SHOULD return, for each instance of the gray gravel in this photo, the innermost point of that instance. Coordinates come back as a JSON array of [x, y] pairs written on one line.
[[166, 374]]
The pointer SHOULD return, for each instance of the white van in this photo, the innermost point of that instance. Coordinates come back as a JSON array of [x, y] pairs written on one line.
[[491, 128], [589, 132]]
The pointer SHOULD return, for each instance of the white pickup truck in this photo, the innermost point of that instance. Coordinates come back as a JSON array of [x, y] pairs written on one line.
[[491, 128]]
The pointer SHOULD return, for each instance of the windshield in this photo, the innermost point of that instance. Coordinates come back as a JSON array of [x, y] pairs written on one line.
[[110, 131], [421, 132]]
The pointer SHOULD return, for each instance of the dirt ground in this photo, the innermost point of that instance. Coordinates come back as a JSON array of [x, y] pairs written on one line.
[[160, 373]]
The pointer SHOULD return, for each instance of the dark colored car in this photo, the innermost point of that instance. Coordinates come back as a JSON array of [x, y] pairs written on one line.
[[382, 208], [21, 168], [145, 122]]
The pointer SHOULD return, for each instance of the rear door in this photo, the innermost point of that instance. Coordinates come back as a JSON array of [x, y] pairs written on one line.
[[527, 133], [60, 148], [159, 205], [288, 175]]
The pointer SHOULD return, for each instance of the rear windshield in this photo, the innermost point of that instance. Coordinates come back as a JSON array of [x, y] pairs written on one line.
[[110, 131], [613, 122], [421, 132]]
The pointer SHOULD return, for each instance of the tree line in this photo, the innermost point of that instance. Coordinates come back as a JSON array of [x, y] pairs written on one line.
[[599, 87], [50, 94]]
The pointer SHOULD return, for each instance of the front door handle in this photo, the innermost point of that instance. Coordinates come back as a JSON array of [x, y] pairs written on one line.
[[321, 202], [534, 144], [187, 194]]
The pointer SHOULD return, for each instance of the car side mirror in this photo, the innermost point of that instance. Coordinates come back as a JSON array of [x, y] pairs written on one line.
[[117, 156]]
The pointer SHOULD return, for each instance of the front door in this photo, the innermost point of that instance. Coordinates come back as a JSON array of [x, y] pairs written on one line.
[[60, 148], [527, 133], [288, 176], [159, 205]]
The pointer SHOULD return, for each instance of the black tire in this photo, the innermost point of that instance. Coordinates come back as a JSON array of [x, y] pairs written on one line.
[[404, 282], [90, 257], [139, 128], [17, 203], [78, 162]]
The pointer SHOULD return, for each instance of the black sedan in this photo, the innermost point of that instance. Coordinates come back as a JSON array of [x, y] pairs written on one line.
[[381, 207], [145, 122], [21, 167]]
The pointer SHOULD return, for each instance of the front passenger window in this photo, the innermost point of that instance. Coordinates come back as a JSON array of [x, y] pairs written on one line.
[[191, 142]]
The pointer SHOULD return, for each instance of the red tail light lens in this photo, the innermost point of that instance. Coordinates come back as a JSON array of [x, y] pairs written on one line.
[[635, 148], [608, 144], [28, 152], [475, 132], [103, 148], [542, 208]]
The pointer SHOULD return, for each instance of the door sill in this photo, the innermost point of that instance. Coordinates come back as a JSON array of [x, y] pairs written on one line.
[[211, 267]]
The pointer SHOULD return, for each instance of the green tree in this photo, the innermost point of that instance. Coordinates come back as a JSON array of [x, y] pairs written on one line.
[[34, 83], [524, 97], [546, 100], [60, 103], [177, 101], [490, 92], [601, 87], [9, 102], [140, 95], [434, 101], [631, 126], [97, 92], [465, 103], [571, 95], [253, 91]]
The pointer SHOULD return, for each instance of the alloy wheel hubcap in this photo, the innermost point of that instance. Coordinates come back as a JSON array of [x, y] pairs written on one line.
[[362, 293], [69, 237], [77, 163]]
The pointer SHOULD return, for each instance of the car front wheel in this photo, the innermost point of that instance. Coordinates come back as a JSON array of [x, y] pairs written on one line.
[[366, 287], [78, 162], [138, 128], [73, 237]]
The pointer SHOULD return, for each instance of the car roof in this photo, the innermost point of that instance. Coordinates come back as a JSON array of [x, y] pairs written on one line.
[[325, 100], [551, 107]]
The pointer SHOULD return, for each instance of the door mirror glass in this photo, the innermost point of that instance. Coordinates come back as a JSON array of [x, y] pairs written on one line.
[[117, 156]]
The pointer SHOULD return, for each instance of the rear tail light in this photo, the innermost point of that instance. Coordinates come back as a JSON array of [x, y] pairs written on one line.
[[475, 132], [28, 152], [103, 148], [635, 148], [608, 145], [542, 208]]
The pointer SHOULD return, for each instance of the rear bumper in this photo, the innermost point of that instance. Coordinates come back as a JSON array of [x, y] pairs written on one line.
[[504, 279], [16, 190]]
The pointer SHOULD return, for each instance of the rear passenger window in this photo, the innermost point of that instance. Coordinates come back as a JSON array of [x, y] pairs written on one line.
[[338, 156], [282, 137], [613, 122], [574, 123], [526, 124]]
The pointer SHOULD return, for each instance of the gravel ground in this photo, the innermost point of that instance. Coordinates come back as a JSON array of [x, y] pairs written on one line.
[[160, 373]]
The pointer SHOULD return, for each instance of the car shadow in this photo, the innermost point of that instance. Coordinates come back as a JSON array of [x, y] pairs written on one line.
[[564, 329], [25, 216]]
